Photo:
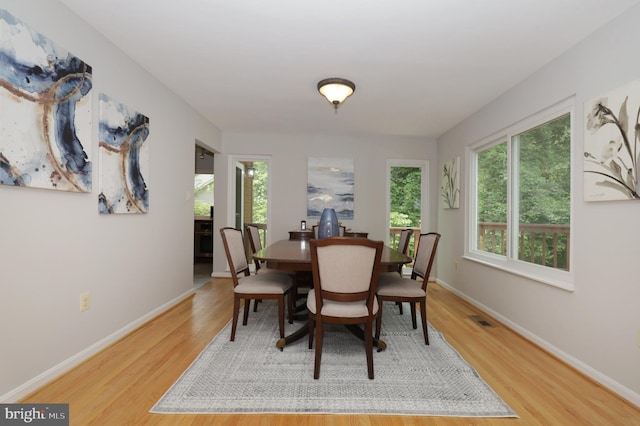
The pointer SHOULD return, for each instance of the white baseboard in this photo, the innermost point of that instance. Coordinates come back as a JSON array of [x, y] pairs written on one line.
[[588, 371], [66, 365]]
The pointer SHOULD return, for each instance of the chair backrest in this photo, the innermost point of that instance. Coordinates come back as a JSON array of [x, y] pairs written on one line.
[[255, 243], [236, 256], [427, 245], [345, 269], [403, 244], [405, 237]]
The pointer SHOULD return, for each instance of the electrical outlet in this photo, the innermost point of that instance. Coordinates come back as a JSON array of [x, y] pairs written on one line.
[[85, 301], [455, 265]]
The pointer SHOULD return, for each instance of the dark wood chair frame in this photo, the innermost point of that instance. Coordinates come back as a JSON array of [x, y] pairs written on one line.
[[237, 297], [413, 301], [316, 320]]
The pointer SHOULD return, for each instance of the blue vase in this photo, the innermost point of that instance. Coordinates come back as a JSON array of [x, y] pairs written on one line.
[[328, 226]]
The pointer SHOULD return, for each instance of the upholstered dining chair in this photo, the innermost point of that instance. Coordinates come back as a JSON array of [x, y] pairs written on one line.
[[249, 287], [255, 244], [403, 247], [398, 289], [345, 273]]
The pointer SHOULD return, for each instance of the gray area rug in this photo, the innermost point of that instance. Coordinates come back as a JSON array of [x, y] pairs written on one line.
[[251, 375]]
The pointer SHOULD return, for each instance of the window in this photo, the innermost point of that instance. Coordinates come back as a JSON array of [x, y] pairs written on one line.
[[520, 205]]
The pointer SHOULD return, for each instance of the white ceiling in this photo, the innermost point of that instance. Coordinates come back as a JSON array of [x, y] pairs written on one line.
[[420, 66]]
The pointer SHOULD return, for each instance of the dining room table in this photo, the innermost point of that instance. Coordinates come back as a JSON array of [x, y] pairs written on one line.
[[295, 255]]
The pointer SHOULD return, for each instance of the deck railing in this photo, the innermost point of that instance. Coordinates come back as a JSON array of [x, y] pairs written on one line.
[[546, 245]]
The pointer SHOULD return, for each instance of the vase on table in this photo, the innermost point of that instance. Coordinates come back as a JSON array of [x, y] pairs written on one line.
[[328, 226]]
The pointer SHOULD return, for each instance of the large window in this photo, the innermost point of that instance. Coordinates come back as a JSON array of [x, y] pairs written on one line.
[[520, 215]]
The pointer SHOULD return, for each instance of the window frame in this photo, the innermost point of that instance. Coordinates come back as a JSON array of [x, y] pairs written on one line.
[[510, 263]]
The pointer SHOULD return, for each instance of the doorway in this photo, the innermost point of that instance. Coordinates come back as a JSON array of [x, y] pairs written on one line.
[[203, 214], [406, 202], [249, 194]]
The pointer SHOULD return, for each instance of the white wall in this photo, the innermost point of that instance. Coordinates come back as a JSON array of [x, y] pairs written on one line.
[[54, 245], [288, 172], [596, 327]]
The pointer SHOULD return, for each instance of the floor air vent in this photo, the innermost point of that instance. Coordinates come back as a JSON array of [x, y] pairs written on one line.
[[483, 322]]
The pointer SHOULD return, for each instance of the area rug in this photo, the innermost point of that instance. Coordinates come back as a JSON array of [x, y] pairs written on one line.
[[251, 375]]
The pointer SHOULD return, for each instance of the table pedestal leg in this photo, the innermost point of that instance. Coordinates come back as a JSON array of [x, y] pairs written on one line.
[[295, 336], [359, 333]]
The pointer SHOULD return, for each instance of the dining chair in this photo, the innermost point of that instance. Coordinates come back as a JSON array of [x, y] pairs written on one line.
[[249, 287], [398, 289], [345, 273], [255, 244], [403, 247]]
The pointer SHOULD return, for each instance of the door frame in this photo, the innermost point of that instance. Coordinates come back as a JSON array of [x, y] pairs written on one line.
[[424, 189], [233, 159]]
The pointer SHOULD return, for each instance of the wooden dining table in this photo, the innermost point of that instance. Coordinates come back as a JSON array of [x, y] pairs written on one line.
[[295, 255]]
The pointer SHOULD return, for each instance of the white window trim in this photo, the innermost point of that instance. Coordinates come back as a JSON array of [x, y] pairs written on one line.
[[546, 275]]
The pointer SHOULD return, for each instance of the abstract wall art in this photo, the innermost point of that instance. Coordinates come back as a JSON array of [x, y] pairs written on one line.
[[330, 185], [45, 111], [450, 189], [124, 159], [612, 145]]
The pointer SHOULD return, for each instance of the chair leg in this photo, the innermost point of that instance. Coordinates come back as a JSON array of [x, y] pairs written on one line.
[[247, 306], [423, 315], [236, 313], [319, 338], [413, 315], [399, 307], [368, 344], [379, 319], [312, 326], [281, 315]]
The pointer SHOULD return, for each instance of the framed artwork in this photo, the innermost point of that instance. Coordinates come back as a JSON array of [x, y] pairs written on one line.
[[45, 111], [330, 185], [611, 146], [124, 159], [450, 189]]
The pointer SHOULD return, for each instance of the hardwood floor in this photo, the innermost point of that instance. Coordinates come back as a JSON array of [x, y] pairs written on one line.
[[120, 385]]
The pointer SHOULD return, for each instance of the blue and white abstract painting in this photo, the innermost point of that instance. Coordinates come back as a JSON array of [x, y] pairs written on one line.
[[45, 111], [124, 159], [330, 185]]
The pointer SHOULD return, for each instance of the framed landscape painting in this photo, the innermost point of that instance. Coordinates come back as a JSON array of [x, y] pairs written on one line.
[[45, 111], [330, 185]]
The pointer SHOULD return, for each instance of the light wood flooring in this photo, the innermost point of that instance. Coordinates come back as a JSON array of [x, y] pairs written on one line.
[[120, 385]]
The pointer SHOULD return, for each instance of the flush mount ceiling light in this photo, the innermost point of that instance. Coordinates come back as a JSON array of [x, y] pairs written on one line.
[[336, 90]]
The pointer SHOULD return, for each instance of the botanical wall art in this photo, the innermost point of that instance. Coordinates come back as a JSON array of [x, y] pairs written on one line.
[[330, 185], [611, 151], [124, 159], [450, 189], [45, 111]]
